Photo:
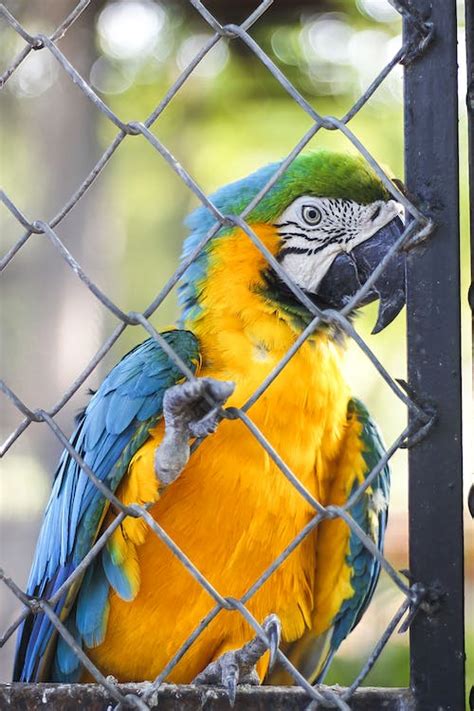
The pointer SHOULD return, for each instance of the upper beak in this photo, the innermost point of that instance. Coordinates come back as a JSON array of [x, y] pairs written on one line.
[[350, 270]]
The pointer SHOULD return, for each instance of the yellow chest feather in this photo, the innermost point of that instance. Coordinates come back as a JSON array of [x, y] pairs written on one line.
[[232, 511]]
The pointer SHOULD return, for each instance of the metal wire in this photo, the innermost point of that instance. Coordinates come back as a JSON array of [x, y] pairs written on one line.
[[418, 228]]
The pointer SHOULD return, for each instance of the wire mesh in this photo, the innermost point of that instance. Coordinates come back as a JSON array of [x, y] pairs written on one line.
[[417, 228]]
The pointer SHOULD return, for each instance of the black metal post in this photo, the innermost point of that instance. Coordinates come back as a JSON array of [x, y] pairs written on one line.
[[470, 131], [434, 362], [470, 128]]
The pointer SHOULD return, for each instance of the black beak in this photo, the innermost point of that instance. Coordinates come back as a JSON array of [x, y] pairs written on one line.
[[350, 270]]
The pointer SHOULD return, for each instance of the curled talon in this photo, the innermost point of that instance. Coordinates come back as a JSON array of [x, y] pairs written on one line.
[[187, 404], [206, 426], [237, 667], [230, 679], [190, 409], [272, 627]]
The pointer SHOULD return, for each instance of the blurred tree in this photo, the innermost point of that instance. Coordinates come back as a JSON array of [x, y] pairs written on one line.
[[61, 134]]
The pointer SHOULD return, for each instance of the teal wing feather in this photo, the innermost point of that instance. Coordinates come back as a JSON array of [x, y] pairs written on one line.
[[371, 513], [114, 425], [312, 655]]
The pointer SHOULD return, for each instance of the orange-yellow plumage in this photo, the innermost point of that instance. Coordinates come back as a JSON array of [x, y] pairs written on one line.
[[232, 511]]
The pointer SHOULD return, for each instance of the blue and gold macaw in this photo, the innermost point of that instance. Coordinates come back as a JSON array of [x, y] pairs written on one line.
[[329, 221]]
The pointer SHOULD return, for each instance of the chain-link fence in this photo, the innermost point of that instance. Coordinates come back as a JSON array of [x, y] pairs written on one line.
[[422, 33]]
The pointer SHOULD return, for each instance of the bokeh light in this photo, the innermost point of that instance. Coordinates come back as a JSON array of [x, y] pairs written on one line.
[[379, 10], [35, 75], [110, 77], [130, 29], [212, 64], [329, 38]]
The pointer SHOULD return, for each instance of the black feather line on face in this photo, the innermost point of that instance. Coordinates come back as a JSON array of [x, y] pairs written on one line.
[[301, 250], [290, 223], [288, 235]]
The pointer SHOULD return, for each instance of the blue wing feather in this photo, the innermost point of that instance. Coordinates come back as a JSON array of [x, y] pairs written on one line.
[[66, 664], [112, 428], [92, 601], [365, 567]]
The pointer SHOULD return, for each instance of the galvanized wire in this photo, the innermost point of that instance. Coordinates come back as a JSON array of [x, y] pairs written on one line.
[[418, 228]]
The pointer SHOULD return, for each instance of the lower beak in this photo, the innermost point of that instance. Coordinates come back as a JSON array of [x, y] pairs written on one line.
[[350, 270]]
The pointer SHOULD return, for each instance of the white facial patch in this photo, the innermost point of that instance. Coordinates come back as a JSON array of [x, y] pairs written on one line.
[[315, 230]]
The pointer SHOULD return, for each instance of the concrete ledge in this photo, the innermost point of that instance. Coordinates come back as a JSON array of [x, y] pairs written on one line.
[[64, 697]]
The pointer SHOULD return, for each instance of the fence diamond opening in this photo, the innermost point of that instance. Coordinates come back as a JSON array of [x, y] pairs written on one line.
[[433, 611]]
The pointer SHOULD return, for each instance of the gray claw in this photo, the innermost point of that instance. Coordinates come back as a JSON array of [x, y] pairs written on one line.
[[272, 627], [190, 409], [219, 390], [206, 426], [238, 667], [230, 679], [208, 395], [187, 404]]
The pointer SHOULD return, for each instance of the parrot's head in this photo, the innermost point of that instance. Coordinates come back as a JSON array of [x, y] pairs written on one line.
[[328, 220]]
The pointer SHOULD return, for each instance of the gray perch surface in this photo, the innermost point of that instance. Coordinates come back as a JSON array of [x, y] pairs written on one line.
[[93, 697]]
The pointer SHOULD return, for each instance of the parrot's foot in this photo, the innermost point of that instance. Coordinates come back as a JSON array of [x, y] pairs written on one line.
[[190, 409], [238, 666]]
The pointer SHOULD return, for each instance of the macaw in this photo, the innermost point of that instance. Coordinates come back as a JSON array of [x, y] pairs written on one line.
[[329, 221]]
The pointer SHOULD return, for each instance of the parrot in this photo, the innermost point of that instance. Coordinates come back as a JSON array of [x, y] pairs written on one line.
[[329, 221]]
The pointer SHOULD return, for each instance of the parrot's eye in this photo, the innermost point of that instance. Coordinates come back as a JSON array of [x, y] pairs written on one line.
[[310, 214]]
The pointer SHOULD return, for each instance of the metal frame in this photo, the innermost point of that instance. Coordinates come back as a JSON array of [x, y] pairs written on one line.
[[432, 602], [469, 14], [434, 367]]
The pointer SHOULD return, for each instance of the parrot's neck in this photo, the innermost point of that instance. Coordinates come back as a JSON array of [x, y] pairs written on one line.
[[244, 334]]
